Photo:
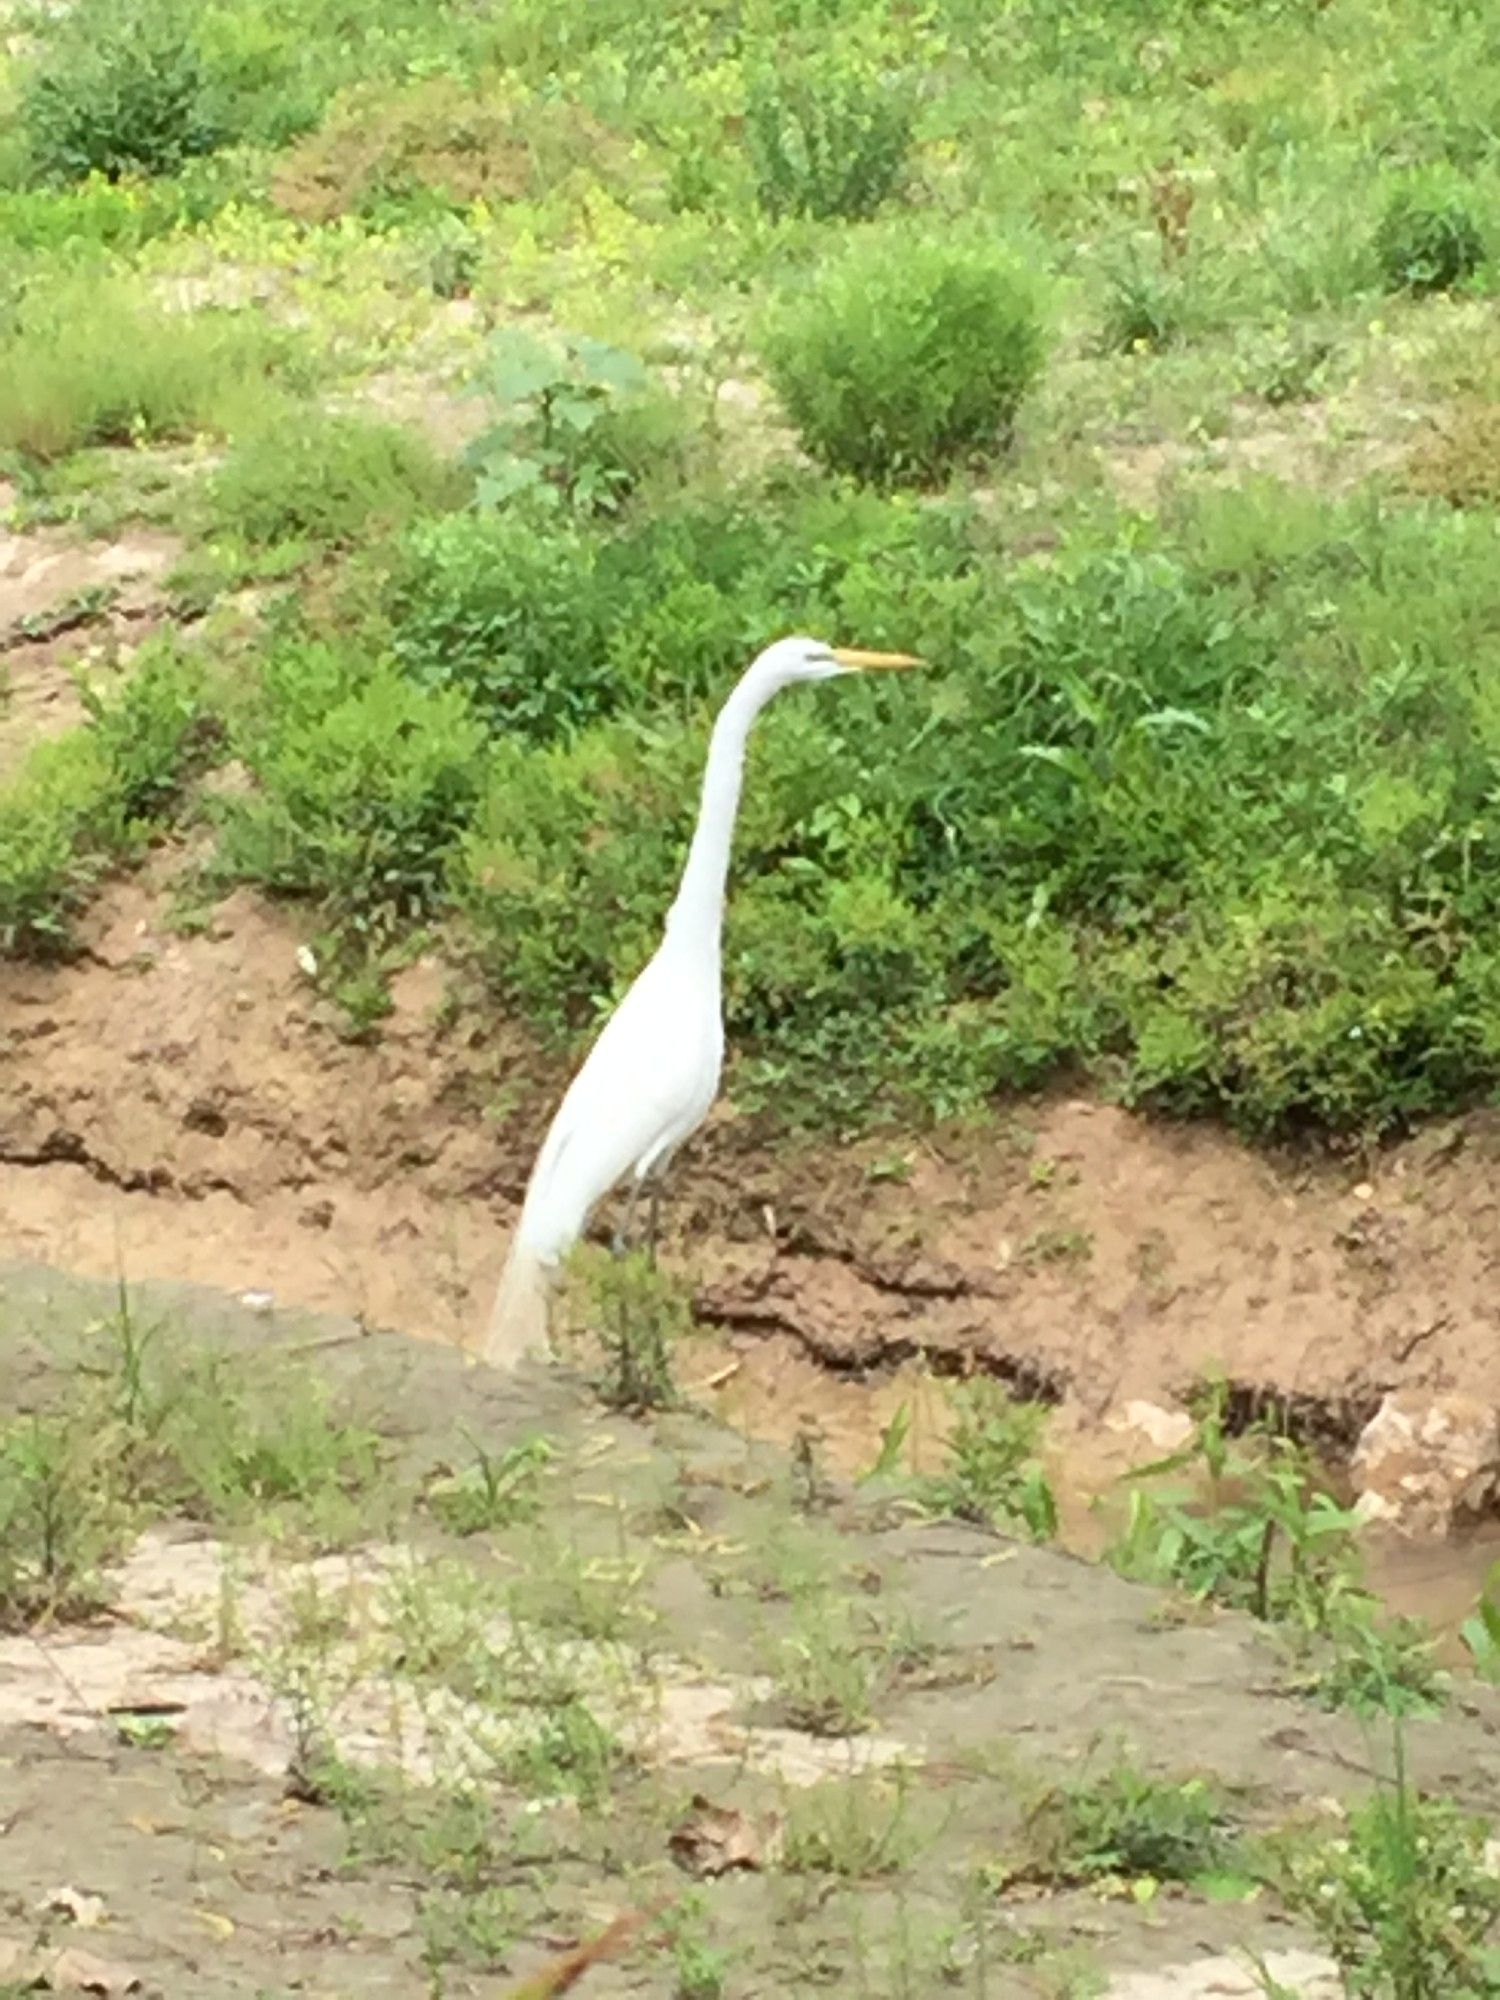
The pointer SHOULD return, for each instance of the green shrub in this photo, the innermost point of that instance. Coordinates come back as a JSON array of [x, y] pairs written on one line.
[[158, 375], [363, 783], [508, 613], [825, 139], [308, 477], [1194, 816], [46, 869], [1404, 1897], [98, 212], [1429, 238], [548, 628], [88, 799], [897, 367], [578, 423], [120, 87]]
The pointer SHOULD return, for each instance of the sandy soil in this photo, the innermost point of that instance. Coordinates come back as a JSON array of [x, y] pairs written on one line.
[[66, 604]]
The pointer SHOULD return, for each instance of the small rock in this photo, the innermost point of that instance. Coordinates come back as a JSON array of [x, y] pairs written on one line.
[[258, 1302], [77, 1905], [1163, 1430], [1424, 1463]]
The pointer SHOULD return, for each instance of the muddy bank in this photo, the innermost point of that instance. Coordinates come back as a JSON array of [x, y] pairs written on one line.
[[210, 1869], [183, 1106]]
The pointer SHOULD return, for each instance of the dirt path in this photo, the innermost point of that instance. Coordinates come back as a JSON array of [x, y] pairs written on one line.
[[209, 1867]]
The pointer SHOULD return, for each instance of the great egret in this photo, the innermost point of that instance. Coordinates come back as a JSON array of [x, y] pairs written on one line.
[[651, 1076]]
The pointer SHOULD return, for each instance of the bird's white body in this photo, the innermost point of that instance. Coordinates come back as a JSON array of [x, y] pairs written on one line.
[[650, 1078], [648, 1083]]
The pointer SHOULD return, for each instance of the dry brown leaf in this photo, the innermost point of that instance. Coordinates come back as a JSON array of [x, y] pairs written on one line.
[[714, 1839]]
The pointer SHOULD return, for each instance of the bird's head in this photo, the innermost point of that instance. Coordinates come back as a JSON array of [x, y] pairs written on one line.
[[812, 660]]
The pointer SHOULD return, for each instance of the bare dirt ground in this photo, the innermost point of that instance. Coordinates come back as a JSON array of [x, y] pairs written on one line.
[[156, 1819], [66, 604], [184, 1106]]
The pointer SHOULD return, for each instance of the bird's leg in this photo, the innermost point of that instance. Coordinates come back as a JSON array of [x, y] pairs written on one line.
[[653, 1217], [625, 1234]]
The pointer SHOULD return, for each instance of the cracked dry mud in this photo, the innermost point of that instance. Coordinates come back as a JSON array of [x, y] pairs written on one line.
[[202, 1872]]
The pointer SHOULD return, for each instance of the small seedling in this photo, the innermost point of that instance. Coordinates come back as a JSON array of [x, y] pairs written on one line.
[[570, 1754], [60, 1518], [635, 1313], [893, 1440], [826, 1669], [993, 1474], [1124, 1826], [1405, 1899], [855, 1828], [1481, 1632], [495, 1490], [145, 1731]]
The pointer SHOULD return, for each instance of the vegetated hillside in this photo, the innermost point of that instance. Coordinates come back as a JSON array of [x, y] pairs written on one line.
[[1138, 365]]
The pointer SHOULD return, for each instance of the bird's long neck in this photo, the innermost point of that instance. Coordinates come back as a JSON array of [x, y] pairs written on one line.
[[698, 912]]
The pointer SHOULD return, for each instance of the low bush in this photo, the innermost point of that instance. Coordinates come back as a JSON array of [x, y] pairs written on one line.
[[509, 616], [548, 628], [120, 87], [436, 138], [896, 367], [1201, 817], [99, 212], [89, 799], [1459, 461], [158, 375], [307, 477], [826, 139], [1429, 238], [363, 782]]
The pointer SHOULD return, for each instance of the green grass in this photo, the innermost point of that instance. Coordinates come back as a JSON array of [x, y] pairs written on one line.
[[1403, 1897], [90, 800], [322, 481], [1197, 800], [160, 375], [147, 1428]]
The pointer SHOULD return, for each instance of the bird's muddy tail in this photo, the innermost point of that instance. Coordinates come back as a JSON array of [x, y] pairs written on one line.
[[518, 1319]]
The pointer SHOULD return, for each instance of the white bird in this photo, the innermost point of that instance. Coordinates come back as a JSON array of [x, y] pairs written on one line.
[[650, 1078]]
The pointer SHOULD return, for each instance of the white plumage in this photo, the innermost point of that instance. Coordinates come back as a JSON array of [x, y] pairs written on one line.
[[650, 1078]]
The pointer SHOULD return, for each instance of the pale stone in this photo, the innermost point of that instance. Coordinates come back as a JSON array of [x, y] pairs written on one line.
[[1423, 1463]]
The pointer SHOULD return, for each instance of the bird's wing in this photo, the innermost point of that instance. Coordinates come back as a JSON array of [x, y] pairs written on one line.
[[648, 1077]]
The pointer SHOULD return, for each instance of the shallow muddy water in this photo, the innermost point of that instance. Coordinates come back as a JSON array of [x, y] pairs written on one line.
[[773, 1390]]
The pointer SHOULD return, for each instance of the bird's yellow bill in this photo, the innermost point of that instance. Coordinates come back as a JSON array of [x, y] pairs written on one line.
[[848, 656]]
